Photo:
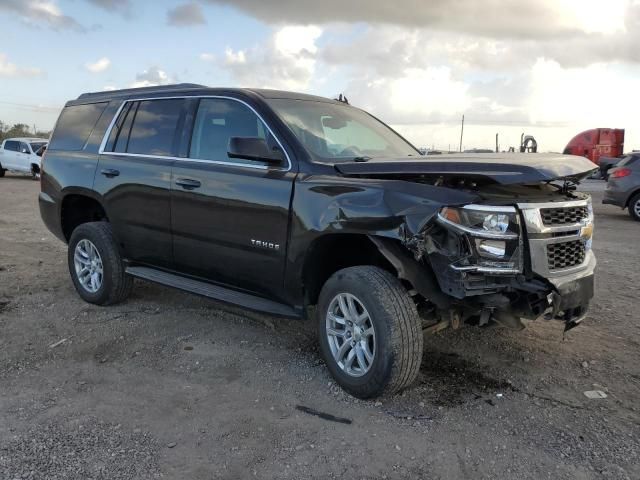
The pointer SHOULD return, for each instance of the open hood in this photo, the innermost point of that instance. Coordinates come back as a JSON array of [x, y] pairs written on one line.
[[502, 168]]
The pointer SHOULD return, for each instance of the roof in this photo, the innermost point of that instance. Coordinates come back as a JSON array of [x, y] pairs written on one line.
[[195, 89]]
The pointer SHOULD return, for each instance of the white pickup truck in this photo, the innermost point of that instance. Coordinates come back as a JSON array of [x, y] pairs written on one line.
[[20, 155]]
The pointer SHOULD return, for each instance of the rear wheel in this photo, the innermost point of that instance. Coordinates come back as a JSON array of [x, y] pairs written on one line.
[[634, 207], [370, 332], [96, 266]]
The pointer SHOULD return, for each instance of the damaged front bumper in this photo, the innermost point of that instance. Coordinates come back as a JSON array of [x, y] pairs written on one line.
[[547, 270], [572, 294]]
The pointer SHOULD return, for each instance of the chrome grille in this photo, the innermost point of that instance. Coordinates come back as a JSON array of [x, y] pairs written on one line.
[[566, 254], [563, 215]]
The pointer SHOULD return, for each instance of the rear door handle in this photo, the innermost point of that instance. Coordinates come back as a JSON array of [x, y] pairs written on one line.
[[188, 183], [110, 172]]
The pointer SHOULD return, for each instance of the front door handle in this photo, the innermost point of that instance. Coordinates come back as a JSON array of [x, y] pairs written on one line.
[[110, 172], [188, 183]]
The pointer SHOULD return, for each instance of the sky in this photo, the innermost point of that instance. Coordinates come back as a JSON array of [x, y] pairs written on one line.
[[548, 68]]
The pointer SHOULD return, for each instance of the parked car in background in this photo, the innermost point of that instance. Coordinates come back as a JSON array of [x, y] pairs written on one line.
[[606, 164], [623, 186], [21, 155]]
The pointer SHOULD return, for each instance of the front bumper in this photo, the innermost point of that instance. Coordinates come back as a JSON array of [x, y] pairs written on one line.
[[573, 292], [557, 280]]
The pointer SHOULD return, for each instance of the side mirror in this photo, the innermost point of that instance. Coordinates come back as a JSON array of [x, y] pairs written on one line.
[[254, 148], [24, 150]]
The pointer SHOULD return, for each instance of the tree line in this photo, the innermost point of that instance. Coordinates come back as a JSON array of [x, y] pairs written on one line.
[[20, 130]]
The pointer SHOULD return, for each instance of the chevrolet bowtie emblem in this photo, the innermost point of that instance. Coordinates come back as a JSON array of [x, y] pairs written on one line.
[[586, 232]]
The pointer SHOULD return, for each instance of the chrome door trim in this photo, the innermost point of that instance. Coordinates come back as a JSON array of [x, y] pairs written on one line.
[[105, 138]]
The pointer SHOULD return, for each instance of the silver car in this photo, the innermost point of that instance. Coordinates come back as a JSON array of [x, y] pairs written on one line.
[[623, 186]]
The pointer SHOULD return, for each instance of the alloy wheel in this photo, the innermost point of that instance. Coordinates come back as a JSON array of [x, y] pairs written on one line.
[[351, 335], [88, 266]]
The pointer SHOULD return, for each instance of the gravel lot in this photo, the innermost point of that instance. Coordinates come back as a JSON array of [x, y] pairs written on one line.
[[170, 385]]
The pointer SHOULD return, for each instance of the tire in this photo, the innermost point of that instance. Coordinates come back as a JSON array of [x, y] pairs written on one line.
[[397, 330], [114, 284], [634, 207], [2, 170]]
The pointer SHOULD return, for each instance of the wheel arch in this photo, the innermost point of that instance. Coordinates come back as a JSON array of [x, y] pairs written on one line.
[[80, 206], [631, 195], [362, 249], [332, 252]]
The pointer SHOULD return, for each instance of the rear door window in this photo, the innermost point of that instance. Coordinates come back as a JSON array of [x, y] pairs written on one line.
[[75, 125], [155, 127]]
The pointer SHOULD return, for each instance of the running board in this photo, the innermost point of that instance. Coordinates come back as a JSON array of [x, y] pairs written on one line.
[[214, 292]]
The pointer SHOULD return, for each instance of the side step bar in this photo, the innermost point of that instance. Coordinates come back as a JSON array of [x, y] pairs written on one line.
[[215, 292]]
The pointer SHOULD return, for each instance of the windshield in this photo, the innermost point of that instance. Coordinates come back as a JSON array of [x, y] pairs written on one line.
[[338, 132], [35, 146]]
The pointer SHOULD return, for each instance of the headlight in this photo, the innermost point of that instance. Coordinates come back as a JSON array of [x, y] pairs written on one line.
[[492, 236], [483, 221]]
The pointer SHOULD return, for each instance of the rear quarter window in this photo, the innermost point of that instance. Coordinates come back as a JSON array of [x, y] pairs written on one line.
[[74, 126], [629, 160]]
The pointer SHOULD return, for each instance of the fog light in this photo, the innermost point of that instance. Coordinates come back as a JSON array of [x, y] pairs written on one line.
[[491, 248]]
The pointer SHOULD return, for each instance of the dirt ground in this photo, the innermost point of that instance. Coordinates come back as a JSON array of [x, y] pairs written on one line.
[[170, 385]]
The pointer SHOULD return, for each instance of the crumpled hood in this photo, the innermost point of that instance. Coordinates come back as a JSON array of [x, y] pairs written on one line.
[[502, 168]]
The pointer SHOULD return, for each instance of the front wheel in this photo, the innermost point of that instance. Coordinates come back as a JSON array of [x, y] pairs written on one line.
[[634, 207], [370, 332]]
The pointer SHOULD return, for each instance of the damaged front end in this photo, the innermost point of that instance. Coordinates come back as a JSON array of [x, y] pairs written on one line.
[[512, 262]]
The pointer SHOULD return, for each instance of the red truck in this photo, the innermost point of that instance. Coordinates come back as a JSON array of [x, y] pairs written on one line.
[[596, 143]]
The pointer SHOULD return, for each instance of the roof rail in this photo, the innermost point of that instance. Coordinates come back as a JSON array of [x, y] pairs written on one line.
[[157, 88]]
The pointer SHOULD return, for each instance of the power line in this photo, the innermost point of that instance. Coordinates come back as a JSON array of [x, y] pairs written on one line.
[[35, 108]]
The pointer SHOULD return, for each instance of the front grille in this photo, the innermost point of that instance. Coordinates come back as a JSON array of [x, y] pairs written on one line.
[[565, 255], [563, 215]]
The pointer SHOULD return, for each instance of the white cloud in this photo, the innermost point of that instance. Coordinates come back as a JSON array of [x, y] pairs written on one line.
[[151, 77], [207, 57], [427, 91], [597, 95], [41, 13], [234, 58], [287, 60], [494, 18], [99, 66], [8, 69]]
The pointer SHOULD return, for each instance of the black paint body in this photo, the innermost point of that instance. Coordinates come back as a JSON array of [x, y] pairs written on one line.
[[207, 232]]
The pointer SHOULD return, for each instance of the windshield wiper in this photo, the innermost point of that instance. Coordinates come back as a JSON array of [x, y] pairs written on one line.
[[363, 158]]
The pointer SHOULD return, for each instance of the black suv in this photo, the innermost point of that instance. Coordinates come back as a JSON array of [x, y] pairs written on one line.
[[307, 207]]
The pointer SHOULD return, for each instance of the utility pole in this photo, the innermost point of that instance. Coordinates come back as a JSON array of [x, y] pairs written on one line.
[[461, 133], [497, 145]]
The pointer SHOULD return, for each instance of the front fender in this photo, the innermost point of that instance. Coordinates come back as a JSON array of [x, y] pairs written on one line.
[[393, 209]]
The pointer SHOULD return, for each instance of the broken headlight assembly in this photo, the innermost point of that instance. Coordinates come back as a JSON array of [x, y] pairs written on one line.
[[491, 237]]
